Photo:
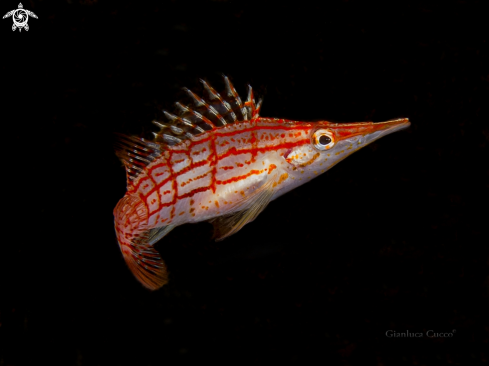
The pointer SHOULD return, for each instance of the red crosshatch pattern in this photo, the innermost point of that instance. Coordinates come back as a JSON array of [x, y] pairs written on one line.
[[164, 182], [183, 184]]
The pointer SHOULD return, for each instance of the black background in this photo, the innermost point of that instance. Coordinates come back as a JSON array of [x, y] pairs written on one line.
[[393, 238]]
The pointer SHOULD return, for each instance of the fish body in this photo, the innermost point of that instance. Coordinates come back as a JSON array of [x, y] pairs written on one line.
[[219, 161]]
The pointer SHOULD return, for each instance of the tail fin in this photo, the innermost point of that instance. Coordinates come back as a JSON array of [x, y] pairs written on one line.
[[145, 264], [136, 242]]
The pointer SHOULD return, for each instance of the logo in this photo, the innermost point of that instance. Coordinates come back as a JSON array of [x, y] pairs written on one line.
[[20, 17]]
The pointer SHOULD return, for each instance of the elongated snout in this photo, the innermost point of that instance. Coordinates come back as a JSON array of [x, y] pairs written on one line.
[[367, 132], [380, 129]]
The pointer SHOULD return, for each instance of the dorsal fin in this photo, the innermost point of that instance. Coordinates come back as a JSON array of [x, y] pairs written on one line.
[[209, 111], [135, 153]]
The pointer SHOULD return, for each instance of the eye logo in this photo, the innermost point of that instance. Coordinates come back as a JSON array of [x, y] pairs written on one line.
[[20, 17]]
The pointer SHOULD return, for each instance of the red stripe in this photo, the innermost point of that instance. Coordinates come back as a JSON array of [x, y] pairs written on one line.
[[240, 177], [237, 132], [285, 145], [215, 159], [194, 191]]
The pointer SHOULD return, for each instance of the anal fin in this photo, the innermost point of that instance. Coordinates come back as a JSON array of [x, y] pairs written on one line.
[[251, 207]]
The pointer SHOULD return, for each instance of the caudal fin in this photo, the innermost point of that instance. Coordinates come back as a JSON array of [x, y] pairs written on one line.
[[146, 264], [136, 242]]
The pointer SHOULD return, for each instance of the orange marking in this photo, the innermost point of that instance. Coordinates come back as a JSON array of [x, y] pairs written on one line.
[[313, 159], [217, 203], [241, 177], [193, 179], [271, 168], [282, 178], [254, 145], [199, 152]]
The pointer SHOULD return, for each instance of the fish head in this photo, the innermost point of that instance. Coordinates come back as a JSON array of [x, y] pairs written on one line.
[[329, 143]]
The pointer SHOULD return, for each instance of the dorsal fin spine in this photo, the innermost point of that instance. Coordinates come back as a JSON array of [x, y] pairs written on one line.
[[257, 109], [160, 125], [173, 118], [231, 92], [199, 102], [213, 94], [216, 95], [169, 139], [139, 158], [185, 109], [203, 118], [250, 102]]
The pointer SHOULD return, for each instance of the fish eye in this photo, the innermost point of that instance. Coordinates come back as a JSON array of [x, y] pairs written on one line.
[[323, 139]]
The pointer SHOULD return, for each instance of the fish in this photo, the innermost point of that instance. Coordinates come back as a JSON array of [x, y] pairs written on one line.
[[218, 160]]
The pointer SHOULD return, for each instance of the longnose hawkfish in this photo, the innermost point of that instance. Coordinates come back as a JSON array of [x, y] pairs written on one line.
[[219, 161]]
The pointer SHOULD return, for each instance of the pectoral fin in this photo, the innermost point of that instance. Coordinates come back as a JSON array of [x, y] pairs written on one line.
[[250, 208]]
